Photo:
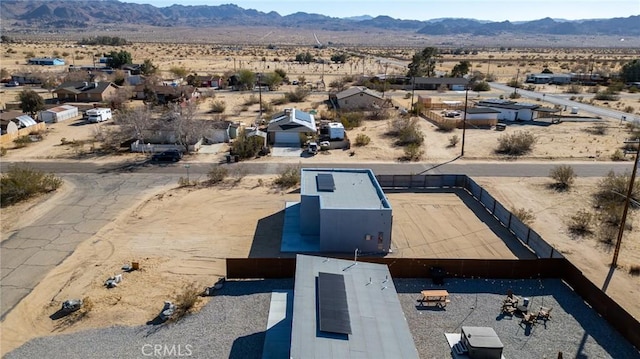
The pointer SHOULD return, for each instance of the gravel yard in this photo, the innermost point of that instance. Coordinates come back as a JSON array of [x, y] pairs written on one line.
[[233, 323]]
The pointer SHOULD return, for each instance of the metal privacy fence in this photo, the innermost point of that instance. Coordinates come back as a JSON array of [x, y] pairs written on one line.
[[524, 233]]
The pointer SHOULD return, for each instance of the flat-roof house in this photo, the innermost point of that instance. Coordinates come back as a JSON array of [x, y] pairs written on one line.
[[481, 116], [79, 91], [286, 128], [346, 209], [47, 61], [510, 110], [359, 97], [346, 309]]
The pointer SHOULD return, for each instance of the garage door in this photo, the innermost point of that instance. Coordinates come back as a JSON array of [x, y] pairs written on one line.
[[287, 139]]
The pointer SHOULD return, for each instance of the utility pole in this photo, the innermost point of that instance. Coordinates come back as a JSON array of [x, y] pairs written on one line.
[[260, 93], [614, 262], [464, 119], [384, 80], [413, 90], [515, 86]]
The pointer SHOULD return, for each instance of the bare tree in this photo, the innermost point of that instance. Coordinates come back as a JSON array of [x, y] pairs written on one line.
[[187, 129]]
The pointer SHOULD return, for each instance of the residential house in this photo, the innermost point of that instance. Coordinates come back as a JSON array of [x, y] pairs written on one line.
[[345, 209], [26, 78], [45, 61], [166, 94], [78, 91], [511, 110], [358, 97], [287, 128], [14, 124], [435, 83]]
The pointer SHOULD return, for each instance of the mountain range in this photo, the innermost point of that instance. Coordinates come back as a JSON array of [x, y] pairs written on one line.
[[61, 14]]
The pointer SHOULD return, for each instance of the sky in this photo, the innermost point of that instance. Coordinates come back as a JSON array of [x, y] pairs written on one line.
[[493, 10]]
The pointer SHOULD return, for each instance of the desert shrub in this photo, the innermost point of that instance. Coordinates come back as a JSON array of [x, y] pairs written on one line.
[[288, 177], [564, 175], [606, 96], [481, 86], [407, 95], [581, 222], [618, 155], [351, 120], [574, 89], [516, 144], [278, 101], [217, 174], [406, 130], [526, 216], [599, 129], [185, 301], [629, 109], [413, 152], [218, 106], [379, 114], [3, 151], [613, 188], [22, 141], [252, 100], [20, 183], [453, 140], [247, 147], [514, 95], [634, 270], [446, 126], [362, 140], [300, 94]]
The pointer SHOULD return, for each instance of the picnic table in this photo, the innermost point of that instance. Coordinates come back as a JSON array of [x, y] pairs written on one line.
[[439, 297]]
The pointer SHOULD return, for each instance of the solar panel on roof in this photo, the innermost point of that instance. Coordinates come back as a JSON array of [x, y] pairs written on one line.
[[333, 309], [325, 182]]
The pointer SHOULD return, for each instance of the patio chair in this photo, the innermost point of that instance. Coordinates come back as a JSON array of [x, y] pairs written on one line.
[[508, 308], [545, 313], [529, 319]]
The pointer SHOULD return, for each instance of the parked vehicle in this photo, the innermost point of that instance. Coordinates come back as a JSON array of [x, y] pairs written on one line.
[[12, 84], [96, 115], [167, 156]]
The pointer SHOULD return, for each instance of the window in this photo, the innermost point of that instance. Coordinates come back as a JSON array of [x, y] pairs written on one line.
[[367, 237]]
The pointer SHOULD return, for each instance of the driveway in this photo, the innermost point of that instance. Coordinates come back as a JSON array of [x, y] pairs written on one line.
[[283, 151]]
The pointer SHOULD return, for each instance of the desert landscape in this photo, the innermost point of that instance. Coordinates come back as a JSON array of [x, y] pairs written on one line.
[[160, 234]]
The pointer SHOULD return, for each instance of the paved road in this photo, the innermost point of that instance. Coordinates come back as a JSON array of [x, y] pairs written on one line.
[[470, 168], [563, 101], [30, 253]]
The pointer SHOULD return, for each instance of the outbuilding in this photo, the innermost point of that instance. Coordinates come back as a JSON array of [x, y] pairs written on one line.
[[47, 61], [59, 114], [346, 209]]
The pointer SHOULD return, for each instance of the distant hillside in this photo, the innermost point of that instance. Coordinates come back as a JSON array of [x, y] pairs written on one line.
[[58, 14]]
